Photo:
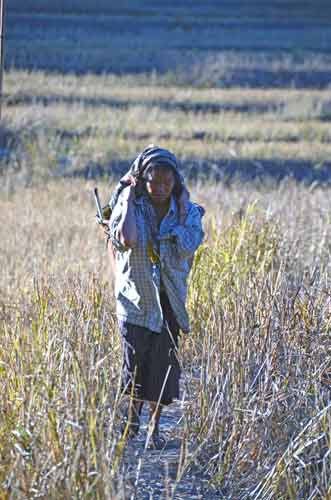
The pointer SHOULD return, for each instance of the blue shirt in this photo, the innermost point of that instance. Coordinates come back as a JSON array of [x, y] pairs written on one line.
[[161, 255]]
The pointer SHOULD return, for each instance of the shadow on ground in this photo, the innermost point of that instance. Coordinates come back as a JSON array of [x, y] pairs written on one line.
[[227, 171], [166, 105]]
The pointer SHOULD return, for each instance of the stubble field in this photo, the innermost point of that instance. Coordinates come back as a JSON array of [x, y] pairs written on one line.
[[255, 412]]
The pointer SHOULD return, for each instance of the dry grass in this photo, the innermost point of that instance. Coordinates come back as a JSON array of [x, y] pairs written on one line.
[[91, 85], [257, 362], [64, 124]]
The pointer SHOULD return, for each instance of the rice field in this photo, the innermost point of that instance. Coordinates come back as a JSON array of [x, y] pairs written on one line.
[[254, 418]]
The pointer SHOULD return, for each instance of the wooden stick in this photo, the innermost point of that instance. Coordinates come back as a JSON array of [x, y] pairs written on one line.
[[98, 204]]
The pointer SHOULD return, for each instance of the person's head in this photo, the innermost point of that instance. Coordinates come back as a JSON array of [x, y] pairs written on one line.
[[161, 181], [158, 173]]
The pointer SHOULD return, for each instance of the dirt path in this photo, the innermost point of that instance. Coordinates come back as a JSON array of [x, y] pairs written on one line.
[[152, 474]]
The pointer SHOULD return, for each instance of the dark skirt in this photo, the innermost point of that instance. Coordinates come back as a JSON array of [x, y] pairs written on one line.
[[150, 366]]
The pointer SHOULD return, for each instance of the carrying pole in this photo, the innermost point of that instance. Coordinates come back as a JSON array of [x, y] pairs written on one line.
[[2, 43]]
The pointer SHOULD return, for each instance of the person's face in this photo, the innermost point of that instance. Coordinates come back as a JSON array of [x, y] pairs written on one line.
[[159, 184]]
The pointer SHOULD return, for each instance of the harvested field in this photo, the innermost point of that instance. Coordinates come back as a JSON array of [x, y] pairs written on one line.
[[242, 96]]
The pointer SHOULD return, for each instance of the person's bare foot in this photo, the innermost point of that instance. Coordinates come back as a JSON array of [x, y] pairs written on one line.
[[156, 441]]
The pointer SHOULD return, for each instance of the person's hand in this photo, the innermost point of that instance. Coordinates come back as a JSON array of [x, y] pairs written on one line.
[[183, 203], [129, 190], [103, 229], [105, 226]]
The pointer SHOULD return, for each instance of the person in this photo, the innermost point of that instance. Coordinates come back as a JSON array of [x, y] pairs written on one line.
[[154, 230]]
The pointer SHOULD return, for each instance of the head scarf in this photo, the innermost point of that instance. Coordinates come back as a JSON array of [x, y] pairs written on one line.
[[151, 156]]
